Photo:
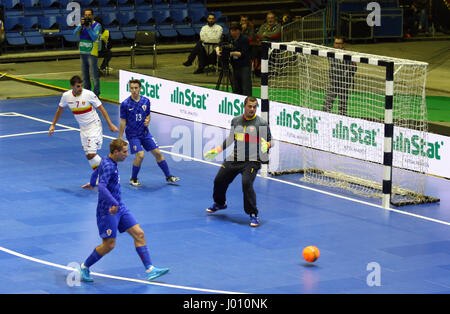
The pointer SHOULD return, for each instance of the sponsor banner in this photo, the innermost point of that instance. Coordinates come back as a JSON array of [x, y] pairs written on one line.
[[185, 101], [347, 136], [413, 150]]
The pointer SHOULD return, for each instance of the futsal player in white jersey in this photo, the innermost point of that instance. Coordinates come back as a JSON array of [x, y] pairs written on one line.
[[83, 104]]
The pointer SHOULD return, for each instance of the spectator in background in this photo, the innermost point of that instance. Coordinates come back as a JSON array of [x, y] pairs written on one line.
[[106, 45], [248, 29], [269, 31], [89, 32], [240, 61], [211, 33], [423, 8]]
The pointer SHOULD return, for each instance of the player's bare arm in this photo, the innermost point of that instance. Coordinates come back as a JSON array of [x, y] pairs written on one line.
[[105, 115], [58, 114], [122, 125]]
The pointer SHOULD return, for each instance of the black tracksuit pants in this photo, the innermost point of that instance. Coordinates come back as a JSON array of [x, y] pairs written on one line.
[[227, 173]]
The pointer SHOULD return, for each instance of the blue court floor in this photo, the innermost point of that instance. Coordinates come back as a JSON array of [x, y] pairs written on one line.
[[48, 224]]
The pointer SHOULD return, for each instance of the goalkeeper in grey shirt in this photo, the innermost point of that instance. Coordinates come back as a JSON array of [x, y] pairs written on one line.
[[251, 137], [340, 75]]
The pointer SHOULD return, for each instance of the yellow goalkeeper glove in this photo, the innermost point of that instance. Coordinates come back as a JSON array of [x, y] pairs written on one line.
[[210, 155], [264, 145]]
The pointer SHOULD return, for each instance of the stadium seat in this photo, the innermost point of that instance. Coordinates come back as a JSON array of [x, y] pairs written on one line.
[[32, 11], [177, 5], [48, 21], [198, 27], [30, 22], [13, 12], [126, 18], [184, 30], [196, 6], [148, 27], [29, 3], [13, 22], [167, 31], [12, 4], [15, 39], [161, 16], [125, 7], [85, 3], [107, 9], [198, 15], [69, 36], [160, 5], [105, 2], [144, 17], [109, 18], [129, 32], [179, 15], [51, 11], [34, 38], [62, 22], [115, 33], [49, 3]]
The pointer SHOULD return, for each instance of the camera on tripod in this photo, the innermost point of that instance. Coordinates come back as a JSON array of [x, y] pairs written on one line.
[[225, 48]]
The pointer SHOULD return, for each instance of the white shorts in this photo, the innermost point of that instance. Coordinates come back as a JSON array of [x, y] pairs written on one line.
[[92, 138]]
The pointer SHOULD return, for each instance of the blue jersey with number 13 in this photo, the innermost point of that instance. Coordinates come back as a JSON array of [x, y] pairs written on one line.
[[135, 113]]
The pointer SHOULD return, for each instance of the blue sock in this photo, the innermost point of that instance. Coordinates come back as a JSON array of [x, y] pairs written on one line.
[[164, 167], [92, 259], [94, 176], [144, 255], [135, 172]]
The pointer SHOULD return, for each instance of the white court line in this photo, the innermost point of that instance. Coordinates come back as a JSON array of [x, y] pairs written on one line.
[[31, 133], [115, 277], [217, 165]]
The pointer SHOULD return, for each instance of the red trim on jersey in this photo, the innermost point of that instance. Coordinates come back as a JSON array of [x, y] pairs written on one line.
[[83, 111]]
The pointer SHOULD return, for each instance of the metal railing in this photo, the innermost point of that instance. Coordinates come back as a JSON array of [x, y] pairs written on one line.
[[314, 28]]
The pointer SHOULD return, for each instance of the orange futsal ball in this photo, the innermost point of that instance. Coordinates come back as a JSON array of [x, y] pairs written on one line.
[[311, 253]]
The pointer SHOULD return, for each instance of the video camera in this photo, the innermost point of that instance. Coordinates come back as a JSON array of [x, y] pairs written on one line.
[[87, 21], [226, 46]]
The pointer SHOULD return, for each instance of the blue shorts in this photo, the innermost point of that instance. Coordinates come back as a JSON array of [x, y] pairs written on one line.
[[108, 224], [146, 142]]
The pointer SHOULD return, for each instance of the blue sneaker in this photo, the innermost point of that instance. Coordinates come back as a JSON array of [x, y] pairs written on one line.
[[85, 274], [215, 207], [156, 272], [254, 221]]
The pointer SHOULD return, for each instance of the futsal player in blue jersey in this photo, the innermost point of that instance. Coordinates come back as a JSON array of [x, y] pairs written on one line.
[[134, 120], [113, 215]]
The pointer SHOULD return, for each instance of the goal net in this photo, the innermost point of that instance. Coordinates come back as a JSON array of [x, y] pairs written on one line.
[[359, 120]]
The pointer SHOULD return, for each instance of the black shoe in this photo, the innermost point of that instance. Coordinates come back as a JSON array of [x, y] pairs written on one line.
[[187, 63], [199, 70]]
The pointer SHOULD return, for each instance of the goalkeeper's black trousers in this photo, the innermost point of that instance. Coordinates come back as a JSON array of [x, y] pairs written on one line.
[[228, 171]]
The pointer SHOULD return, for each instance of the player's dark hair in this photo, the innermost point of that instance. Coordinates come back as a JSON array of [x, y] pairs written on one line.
[[117, 144], [75, 80], [135, 81], [249, 99]]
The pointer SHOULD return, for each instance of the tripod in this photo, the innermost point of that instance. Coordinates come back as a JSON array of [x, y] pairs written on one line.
[[225, 70]]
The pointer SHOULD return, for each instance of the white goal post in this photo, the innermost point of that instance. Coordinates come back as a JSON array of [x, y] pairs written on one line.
[[361, 90]]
